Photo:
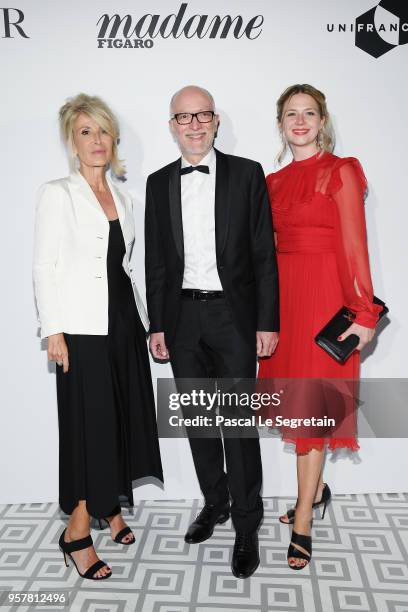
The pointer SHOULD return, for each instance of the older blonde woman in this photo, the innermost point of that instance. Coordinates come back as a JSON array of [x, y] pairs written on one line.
[[94, 320]]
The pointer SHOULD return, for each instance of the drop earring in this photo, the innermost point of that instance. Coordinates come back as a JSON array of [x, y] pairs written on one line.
[[284, 145], [320, 140]]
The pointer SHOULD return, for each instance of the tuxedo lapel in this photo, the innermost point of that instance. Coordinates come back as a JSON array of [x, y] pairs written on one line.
[[221, 202], [175, 207]]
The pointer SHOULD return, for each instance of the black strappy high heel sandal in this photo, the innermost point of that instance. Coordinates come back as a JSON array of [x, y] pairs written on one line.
[[69, 547], [324, 500], [303, 541], [122, 533]]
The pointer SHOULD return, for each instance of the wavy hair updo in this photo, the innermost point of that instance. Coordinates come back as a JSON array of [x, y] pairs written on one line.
[[326, 139], [99, 111]]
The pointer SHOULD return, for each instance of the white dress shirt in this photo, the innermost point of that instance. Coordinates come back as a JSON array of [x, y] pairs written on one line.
[[197, 204]]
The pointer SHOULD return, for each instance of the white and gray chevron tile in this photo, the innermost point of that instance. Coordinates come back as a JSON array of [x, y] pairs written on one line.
[[360, 561]]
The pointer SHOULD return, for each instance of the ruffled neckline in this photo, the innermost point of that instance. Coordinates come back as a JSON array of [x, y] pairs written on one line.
[[309, 161], [298, 183]]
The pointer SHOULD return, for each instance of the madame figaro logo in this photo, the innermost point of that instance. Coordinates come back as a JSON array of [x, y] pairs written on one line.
[[127, 32]]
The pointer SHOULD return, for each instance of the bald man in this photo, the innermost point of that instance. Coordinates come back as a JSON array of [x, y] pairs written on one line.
[[212, 297]]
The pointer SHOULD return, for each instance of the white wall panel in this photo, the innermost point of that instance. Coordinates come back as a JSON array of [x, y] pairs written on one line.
[[367, 98]]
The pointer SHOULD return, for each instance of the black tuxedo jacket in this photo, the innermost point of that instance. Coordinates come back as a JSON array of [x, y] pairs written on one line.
[[245, 247]]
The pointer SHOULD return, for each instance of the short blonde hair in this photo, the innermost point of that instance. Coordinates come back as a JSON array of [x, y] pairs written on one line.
[[99, 111], [327, 132]]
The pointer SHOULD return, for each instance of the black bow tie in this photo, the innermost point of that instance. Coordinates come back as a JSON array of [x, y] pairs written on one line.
[[189, 169]]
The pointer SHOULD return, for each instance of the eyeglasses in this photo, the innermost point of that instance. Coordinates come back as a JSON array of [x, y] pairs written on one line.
[[186, 118]]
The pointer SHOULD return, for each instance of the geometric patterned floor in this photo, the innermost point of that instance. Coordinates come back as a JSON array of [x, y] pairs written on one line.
[[360, 561]]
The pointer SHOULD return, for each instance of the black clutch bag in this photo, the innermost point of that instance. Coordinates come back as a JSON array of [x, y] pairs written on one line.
[[327, 337]]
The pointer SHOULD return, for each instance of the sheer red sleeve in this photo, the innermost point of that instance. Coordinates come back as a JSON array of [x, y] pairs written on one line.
[[346, 187]]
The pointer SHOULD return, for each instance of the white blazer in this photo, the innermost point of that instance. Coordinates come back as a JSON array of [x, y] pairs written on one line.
[[70, 251]]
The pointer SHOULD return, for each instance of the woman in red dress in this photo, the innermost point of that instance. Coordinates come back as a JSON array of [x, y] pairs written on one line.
[[318, 209]]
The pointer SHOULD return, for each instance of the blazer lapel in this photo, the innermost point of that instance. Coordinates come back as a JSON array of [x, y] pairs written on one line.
[[221, 202], [80, 186], [175, 207], [119, 202], [126, 223]]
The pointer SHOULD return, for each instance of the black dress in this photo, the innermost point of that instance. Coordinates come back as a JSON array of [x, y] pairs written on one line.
[[106, 413]]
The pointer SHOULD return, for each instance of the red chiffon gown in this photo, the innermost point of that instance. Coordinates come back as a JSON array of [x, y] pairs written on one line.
[[318, 213]]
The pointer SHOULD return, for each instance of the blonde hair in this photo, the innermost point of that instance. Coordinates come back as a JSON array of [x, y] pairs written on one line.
[[99, 111], [326, 134]]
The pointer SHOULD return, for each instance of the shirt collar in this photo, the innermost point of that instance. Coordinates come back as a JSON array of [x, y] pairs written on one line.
[[209, 160]]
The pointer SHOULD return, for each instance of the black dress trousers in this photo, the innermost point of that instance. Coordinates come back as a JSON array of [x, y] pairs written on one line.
[[208, 344]]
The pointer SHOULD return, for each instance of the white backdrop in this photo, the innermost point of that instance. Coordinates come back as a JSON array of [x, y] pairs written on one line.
[[367, 98]]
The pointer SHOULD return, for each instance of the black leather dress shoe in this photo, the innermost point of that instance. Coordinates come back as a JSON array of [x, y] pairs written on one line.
[[202, 528], [245, 558]]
